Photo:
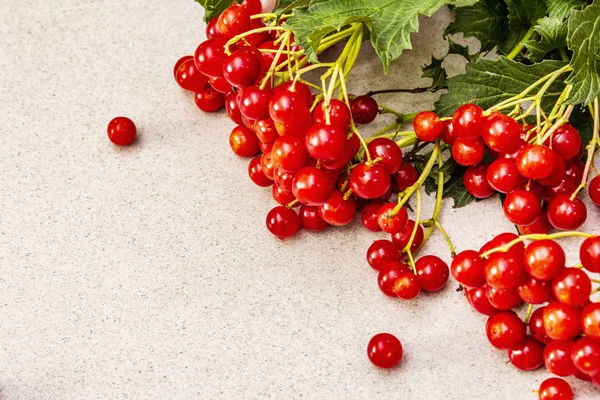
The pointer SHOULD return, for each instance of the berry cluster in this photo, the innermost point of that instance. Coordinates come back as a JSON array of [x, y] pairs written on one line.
[[540, 175], [564, 329], [303, 143]]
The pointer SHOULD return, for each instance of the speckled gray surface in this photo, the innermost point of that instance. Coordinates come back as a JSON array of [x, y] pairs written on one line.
[[146, 272]]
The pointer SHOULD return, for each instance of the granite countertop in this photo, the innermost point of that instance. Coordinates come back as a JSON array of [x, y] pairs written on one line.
[[146, 272]]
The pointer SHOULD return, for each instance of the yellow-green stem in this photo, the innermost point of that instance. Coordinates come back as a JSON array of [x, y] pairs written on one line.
[[536, 236]]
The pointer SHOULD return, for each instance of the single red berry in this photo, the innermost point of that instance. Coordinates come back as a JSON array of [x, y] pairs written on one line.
[[338, 211], [574, 169], [265, 131], [369, 215], [289, 108], [562, 321], [405, 177], [187, 75], [283, 179], [468, 269], [566, 214], [242, 68], [468, 151], [558, 172], [382, 252], [566, 141], [557, 357], [389, 221], [281, 196], [594, 190], [311, 220], [535, 161], [504, 271], [407, 286], [432, 272], [121, 131], [369, 181], [234, 21], [243, 142], [468, 121], [586, 356], [505, 330], [501, 133], [384, 350], [555, 389], [388, 275], [590, 320], [544, 259], [312, 186], [253, 6], [476, 183], [522, 207], [541, 225], [254, 102], [257, 174], [339, 114], [209, 57], [448, 135], [220, 84], [478, 299], [232, 108], [327, 142], [536, 326], [527, 356], [283, 222], [301, 90], [428, 126], [572, 286], [535, 291], [589, 254], [402, 237], [503, 175], [388, 151], [209, 100], [289, 154], [364, 109], [503, 299], [212, 29]]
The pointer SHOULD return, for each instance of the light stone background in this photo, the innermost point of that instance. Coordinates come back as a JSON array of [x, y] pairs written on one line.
[[147, 273]]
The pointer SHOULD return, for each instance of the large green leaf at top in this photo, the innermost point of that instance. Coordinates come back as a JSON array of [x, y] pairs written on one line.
[[553, 35], [523, 13], [562, 8], [486, 21], [488, 82], [212, 8], [390, 22], [584, 40]]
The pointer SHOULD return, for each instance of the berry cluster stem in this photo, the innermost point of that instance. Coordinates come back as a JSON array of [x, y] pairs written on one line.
[[536, 236]]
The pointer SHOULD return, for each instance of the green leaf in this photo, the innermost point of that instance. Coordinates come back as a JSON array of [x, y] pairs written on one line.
[[390, 22], [455, 48], [553, 35], [436, 72], [486, 21], [584, 40], [489, 82], [523, 13], [561, 9], [214, 7], [285, 6]]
